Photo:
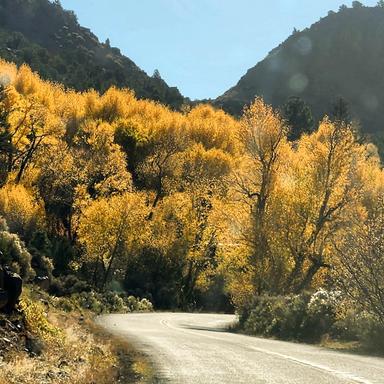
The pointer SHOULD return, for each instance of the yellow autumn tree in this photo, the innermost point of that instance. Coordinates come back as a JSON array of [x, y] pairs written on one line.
[[22, 211], [263, 138], [111, 229], [29, 121], [318, 196], [183, 227]]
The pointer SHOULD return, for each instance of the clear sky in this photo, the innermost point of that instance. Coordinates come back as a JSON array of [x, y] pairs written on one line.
[[201, 46]]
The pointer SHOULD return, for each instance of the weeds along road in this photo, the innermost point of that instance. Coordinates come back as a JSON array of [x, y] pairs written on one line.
[[196, 349]]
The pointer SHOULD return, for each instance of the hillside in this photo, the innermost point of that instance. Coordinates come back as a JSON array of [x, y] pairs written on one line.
[[342, 55], [51, 41]]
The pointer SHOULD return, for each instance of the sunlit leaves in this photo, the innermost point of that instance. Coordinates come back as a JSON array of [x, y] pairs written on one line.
[[111, 229], [128, 182]]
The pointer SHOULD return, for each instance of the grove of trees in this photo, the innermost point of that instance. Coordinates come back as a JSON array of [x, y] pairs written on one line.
[[174, 205]]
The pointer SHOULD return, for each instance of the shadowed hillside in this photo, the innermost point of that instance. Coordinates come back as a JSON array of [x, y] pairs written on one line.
[[342, 55]]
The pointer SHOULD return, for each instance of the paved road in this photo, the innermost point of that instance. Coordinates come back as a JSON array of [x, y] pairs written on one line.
[[194, 348]]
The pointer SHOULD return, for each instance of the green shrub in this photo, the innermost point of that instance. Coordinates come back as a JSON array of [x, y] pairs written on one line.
[[347, 324], [91, 301], [144, 305], [65, 304], [109, 302], [280, 316], [299, 317], [370, 332], [68, 285], [309, 318], [115, 303], [321, 315], [40, 249], [15, 254]]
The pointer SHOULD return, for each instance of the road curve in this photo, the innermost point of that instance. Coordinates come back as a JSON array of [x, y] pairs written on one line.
[[196, 349]]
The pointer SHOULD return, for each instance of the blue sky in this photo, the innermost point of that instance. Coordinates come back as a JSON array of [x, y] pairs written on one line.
[[201, 46]]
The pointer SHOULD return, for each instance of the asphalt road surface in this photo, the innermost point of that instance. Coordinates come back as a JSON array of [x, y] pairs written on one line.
[[196, 349]]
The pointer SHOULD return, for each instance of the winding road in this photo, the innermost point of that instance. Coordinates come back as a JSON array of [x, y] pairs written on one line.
[[196, 349]]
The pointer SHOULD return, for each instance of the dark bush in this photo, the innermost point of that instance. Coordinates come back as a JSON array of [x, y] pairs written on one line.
[[40, 249], [370, 332], [154, 275], [68, 285]]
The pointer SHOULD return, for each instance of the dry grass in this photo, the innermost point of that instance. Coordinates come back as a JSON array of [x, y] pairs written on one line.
[[76, 358], [79, 353], [339, 345]]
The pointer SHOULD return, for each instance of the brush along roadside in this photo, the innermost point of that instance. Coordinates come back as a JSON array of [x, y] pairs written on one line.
[[44, 344]]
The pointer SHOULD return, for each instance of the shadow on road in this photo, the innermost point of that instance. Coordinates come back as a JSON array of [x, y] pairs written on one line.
[[200, 328]]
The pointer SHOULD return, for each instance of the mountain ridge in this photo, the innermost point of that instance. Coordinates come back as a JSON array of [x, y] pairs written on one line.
[[341, 55]]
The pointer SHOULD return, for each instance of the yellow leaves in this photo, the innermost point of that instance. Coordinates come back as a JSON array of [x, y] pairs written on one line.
[[113, 104], [11, 99], [198, 166], [171, 219], [106, 221], [31, 126], [213, 129], [8, 73], [20, 209], [88, 121], [214, 186], [26, 82], [262, 130], [300, 201], [131, 128], [183, 228], [37, 322], [96, 134], [328, 160], [319, 195], [102, 162], [263, 137]]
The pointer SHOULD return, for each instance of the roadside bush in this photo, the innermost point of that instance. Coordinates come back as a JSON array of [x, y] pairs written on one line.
[[68, 285], [143, 305], [115, 303], [295, 317], [321, 314], [65, 304], [310, 318], [91, 301], [347, 324], [279, 316], [110, 302], [370, 332]]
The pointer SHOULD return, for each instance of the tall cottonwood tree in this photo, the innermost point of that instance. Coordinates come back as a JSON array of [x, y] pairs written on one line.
[[263, 136], [318, 196]]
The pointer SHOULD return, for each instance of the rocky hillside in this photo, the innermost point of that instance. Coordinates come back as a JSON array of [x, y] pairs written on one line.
[[342, 55], [51, 41]]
